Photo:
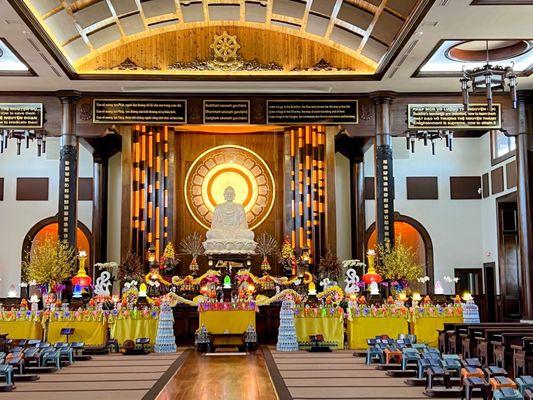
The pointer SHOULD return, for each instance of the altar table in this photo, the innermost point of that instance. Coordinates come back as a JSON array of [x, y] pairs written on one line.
[[22, 329], [132, 328], [331, 327], [231, 321], [92, 333], [361, 328], [425, 327]]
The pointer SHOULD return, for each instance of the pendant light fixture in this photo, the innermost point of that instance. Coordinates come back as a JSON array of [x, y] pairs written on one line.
[[488, 79], [27, 136], [429, 137]]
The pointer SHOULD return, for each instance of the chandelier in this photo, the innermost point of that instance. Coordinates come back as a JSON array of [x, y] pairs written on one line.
[[487, 79], [428, 137], [39, 135]]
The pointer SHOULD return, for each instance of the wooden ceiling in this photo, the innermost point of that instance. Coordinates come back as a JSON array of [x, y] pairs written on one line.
[[351, 36]]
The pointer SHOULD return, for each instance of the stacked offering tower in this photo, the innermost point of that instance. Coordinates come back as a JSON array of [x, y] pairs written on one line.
[[165, 341], [287, 331]]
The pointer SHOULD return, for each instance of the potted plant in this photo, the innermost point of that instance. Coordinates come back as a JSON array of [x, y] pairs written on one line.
[[398, 266], [49, 264]]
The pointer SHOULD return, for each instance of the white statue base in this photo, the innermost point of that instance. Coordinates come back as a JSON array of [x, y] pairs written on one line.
[[229, 246]]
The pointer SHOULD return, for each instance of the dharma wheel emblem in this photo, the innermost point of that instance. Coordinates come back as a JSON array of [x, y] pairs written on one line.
[[225, 47]]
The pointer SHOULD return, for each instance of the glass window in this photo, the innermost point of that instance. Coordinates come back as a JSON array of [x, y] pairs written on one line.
[[502, 147]]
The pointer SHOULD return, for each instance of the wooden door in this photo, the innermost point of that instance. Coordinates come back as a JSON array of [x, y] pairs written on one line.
[[509, 260]]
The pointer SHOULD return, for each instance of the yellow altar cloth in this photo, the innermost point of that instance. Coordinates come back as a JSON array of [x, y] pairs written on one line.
[[92, 333], [231, 321], [132, 328], [22, 329], [361, 328], [332, 328], [425, 327]]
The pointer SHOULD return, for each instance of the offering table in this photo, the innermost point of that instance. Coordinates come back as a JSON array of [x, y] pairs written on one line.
[[327, 322]]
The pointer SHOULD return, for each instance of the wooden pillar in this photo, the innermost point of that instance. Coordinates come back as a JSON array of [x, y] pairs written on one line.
[[357, 199], [68, 169], [100, 181], [524, 162], [384, 180]]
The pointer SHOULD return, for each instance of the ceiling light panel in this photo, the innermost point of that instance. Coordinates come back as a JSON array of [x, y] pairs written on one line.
[[355, 16], [255, 12], [155, 8], [124, 6], [62, 26], [44, 6], [224, 12], [289, 8], [91, 15]]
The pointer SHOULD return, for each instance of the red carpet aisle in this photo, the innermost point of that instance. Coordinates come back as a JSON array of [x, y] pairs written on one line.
[[338, 375], [107, 377]]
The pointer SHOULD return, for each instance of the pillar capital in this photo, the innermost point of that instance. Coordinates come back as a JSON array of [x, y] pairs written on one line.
[[68, 96], [382, 96]]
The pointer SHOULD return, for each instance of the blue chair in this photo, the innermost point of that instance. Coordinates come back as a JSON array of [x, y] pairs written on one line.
[[420, 347], [451, 357], [66, 351], [16, 362], [78, 348], [32, 355], [373, 353], [51, 357], [6, 371], [507, 394], [431, 352], [425, 363], [524, 382], [409, 355], [451, 364]]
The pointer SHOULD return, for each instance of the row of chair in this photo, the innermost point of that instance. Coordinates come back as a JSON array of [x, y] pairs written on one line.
[[22, 359], [432, 366]]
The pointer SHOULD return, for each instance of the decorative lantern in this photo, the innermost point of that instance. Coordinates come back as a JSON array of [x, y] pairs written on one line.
[[312, 289], [151, 256], [82, 279], [303, 265], [371, 275], [227, 282]]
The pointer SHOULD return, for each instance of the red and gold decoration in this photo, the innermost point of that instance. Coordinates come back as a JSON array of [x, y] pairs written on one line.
[[234, 166], [371, 275], [150, 188], [308, 189], [82, 279]]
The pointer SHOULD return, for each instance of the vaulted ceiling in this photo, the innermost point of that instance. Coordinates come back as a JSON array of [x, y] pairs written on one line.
[[405, 67], [362, 32]]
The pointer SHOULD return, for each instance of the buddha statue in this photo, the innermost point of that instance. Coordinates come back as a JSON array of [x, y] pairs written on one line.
[[229, 233]]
